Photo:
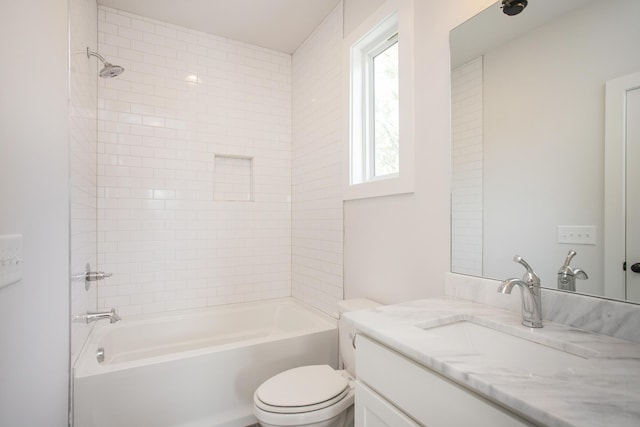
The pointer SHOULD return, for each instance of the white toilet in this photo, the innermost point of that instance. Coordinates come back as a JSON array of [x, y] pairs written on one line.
[[317, 395]]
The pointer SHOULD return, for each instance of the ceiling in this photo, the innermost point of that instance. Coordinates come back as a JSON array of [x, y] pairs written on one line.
[[280, 25]]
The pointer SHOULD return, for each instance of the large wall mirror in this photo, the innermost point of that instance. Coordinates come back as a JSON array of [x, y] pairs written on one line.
[[546, 142]]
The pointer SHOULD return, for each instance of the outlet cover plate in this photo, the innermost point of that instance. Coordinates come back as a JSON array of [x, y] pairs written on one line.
[[577, 234]]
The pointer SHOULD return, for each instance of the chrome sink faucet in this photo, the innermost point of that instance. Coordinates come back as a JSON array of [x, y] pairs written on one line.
[[94, 316], [530, 289]]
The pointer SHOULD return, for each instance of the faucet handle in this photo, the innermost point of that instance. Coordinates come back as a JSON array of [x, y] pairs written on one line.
[[520, 260], [530, 276], [570, 256]]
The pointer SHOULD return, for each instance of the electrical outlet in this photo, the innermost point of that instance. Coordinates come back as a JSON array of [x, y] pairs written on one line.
[[577, 234]]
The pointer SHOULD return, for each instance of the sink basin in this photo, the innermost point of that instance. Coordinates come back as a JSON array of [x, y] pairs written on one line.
[[503, 350]]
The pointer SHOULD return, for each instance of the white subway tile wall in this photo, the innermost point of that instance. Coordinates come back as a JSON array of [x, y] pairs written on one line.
[[466, 184], [83, 101], [317, 227], [185, 97]]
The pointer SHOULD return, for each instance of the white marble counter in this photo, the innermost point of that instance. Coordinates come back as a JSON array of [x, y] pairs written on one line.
[[603, 389]]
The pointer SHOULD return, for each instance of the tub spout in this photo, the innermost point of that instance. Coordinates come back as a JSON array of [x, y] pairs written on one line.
[[94, 316]]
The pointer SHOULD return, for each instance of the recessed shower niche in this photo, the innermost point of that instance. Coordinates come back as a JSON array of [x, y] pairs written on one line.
[[233, 178]]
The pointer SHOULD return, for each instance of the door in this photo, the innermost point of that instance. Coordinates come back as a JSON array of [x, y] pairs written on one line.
[[622, 188], [632, 215]]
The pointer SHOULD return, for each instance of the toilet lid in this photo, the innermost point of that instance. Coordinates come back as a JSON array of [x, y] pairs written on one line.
[[302, 387]]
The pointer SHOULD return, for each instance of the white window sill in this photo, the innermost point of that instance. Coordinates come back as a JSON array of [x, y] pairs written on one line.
[[379, 188]]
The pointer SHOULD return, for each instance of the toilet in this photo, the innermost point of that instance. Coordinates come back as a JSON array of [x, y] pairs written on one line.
[[316, 395]]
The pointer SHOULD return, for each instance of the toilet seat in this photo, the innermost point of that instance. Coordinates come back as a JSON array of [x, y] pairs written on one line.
[[320, 416], [300, 409], [312, 412], [290, 392]]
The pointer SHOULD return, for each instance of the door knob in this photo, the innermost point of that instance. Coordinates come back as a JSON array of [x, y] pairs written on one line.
[[636, 267]]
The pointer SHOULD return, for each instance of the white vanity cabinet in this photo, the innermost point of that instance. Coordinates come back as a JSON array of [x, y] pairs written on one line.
[[372, 410], [394, 391]]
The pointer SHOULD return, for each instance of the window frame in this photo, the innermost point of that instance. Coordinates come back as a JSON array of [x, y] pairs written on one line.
[[390, 24]]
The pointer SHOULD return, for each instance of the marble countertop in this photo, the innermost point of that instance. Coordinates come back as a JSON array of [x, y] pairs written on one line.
[[602, 389]]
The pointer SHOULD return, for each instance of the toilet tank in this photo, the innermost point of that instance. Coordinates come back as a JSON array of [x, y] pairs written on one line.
[[346, 330]]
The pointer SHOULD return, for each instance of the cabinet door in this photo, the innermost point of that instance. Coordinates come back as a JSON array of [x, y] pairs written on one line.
[[371, 410], [426, 396]]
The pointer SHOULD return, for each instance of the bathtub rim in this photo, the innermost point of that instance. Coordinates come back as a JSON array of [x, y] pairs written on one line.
[[86, 364]]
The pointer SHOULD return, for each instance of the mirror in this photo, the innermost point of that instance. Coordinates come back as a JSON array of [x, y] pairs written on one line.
[[528, 142]]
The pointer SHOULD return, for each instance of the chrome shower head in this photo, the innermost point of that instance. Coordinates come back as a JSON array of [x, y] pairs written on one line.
[[109, 70]]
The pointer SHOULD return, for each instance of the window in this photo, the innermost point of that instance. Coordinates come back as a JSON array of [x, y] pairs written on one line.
[[380, 119], [384, 134]]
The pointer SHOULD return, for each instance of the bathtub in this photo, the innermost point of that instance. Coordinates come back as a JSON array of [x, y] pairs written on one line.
[[196, 368]]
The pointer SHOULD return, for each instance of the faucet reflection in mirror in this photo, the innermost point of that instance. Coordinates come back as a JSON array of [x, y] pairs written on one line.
[[530, 290], [567, 275]]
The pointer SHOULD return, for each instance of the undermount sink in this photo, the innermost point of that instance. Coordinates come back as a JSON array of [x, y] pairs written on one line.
[[503, 350]]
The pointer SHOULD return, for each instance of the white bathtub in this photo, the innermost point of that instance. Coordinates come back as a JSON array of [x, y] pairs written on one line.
[[195, 368]]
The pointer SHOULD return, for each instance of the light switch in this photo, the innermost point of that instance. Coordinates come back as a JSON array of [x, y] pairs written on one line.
[[10, 259], [577, 234]]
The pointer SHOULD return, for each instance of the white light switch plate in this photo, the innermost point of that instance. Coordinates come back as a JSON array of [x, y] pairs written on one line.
[[10, 259], [577, 234]]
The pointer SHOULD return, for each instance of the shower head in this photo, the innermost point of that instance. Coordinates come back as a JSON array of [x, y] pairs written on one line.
[[109, 70], [513, 7]]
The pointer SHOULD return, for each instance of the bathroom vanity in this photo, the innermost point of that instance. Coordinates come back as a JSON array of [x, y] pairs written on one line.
[[419, 392], [450, 362]]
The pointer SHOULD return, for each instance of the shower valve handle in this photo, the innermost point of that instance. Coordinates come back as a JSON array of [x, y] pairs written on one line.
[[92, 276]]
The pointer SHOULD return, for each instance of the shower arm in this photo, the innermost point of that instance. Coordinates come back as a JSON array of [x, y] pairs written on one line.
[[109, 70], [97, 55]]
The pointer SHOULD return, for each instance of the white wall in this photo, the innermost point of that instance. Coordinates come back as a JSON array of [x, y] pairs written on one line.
[[34, 198], [316, 199], [397, 248], [163, 230], [356, 11]]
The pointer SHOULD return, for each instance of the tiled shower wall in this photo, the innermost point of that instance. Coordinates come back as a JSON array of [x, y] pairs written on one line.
[[186, 99], [317, 154], [83, 101], [466, 183]]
